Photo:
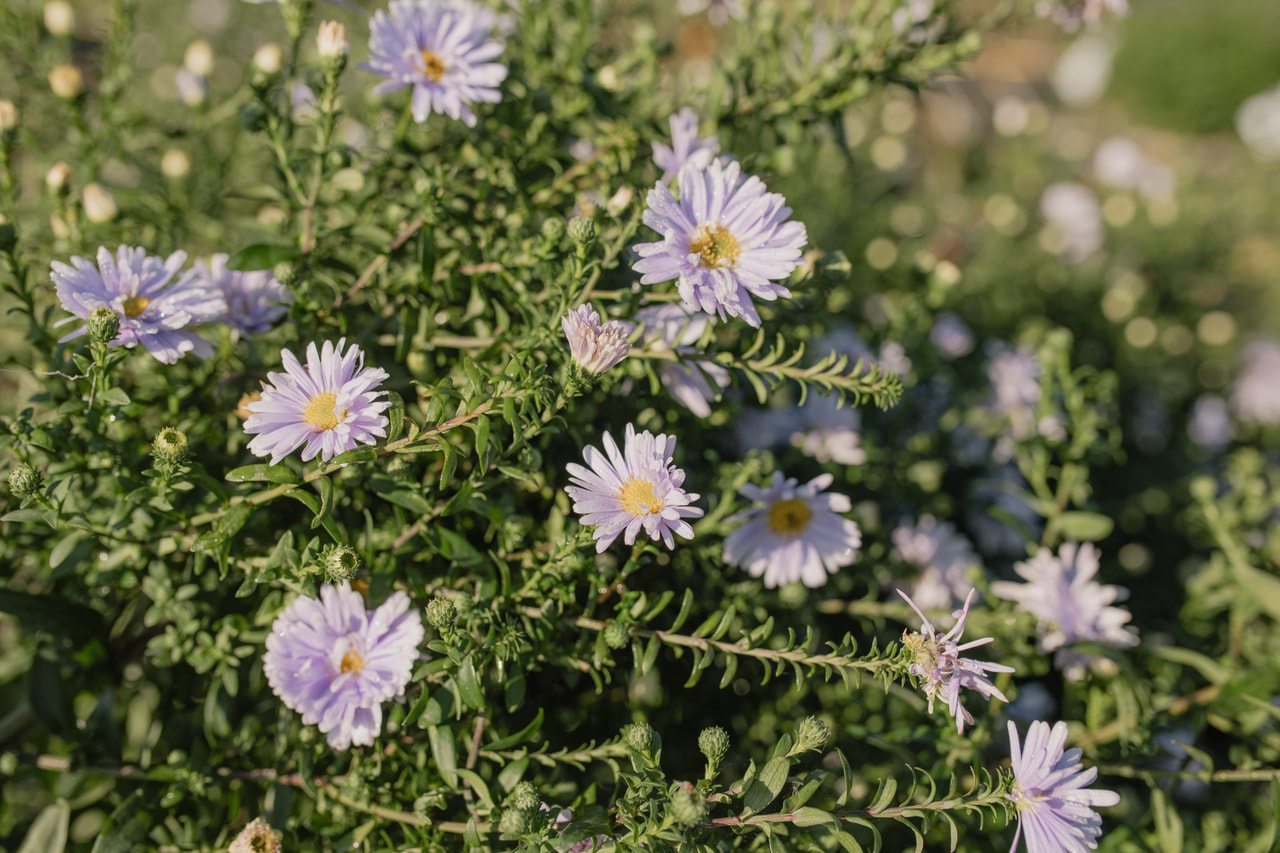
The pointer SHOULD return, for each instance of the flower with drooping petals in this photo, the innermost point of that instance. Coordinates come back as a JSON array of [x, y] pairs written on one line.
[[335, 662], [256, 837], [939, 665], [444, 49], [255, 300], [793, 532], [686, 146], [595, 346], [1055, 812], [725, 240], [327, 407], [943, 556], [1069, 604], [154, 308], [671, 327], [638, 488]]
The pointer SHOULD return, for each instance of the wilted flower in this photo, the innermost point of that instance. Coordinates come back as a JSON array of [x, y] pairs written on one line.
[[1256, 395], [443, 49], [638, 488], [154, 309], [595, 346], [686, 146], [335, 662], [1055, 813], [725, 240], [672, 327], [255, 300], [256, 837], [939, 665], [327, 407], [943, 557], [792, 532], [1069, 604]]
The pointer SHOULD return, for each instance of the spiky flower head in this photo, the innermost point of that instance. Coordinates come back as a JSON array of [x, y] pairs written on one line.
[[595, 346], [441, 613], [713, 742], [25, 481], [170, 445], [256, 837], [1055, 812], [642, 738], [340, 562], [103, 325], [582, 230], [688, 805], [811, 734]]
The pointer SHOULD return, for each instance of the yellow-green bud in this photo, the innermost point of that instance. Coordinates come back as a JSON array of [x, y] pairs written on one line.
[[524, 797], [513, 823], [714, 743], [170, 445], [25, 481], [642, 738], [340, 562], [66, 81], [616, 635], [688, 806], [441, 614], [582, 230], [811, 734]]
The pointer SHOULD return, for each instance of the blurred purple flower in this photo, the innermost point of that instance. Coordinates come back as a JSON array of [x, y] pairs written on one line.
[[944, 558], [673, 327], [1055, 813], [1255, 398], [686, 146], [255, 300]]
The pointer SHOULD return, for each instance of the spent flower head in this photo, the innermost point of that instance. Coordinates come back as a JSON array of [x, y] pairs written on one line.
[[595, 346], [1055, 811]]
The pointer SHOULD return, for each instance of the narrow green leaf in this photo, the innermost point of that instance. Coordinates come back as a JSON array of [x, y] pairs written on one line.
[[122, 829], [323, 486], [884, 797], [227, 527], [1084, 526], [469, 684], [263, 474], [48, 832], [524, 735], [116, 397], [442, 747], [477, 785], [766, 787]]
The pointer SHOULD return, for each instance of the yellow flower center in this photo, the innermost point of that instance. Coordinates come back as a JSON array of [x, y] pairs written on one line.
[[432, 66], [319, 413], [638, 498], [715, 246], [789, 517], [352, 662], [135, 305]]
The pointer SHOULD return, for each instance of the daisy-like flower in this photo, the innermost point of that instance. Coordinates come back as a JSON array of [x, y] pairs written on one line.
[[943, 557], [725, 240], [155, 310], [335, 662], [255, 300], [444, 49], [1069, 604], [686, 146], [638, 488], [1055, 812], [256, 837], [689, 380], [939, 665], [327, 407], [793, 532], [595, 346]]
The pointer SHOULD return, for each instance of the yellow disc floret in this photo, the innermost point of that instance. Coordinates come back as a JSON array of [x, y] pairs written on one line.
[[638, 498], [789, 517], [135, 305], [432, 66], [352, 662], [320, 413], [715, 246]]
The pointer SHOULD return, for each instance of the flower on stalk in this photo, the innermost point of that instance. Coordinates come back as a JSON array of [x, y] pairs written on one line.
[[335, 662], [1055, 812], [256, 301], [154, 308], [686, 146], [1069, 604], [327, 407], [725, 240], [939, 665], [637, 488], [793, 532], [443, 49], [672, 327], [595, 346]]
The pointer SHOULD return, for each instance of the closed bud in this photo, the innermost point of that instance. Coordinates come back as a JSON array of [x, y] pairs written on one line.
[[25, 482], [513, 823], [441, 614], [8, 117], [285, 273], [582, 230], [812, 734], [616, 635], [340, 562], [256, 837], [104, 325], [59, 18], [553, 229], [198, 58], [642, 738], [688, 806], [714, 743], [170, 445], [66, 82], [99, 205], [268, 58], [175, 164], [56, 178], [333, 44], [524, 797]]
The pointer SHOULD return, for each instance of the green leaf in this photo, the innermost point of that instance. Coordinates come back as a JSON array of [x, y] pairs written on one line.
[[122, 830], [23, 516], [476, 784], [48, 699], [1207, 667], [263, 474], [262, 256], [442, 747], [767, 785], [363, 453], [77, 622], [324, 486], [48, 832], [1167, 822], [1084, 526], [810, 816], [884, 797], [469, 684], [526, 734], [228, 526], [1260, 588], [116, 397]]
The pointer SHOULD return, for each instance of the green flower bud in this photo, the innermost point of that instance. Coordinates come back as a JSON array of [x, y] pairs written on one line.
[[642, 738], [513, 823], [285, 273], [714, 743], [582, 230], [524, 797], [340, 562], [170, 445], [104, 325], [688, 806], [811, 734], [8, 764], [553, 229], [441, 614], [25, 481], [616, 635]]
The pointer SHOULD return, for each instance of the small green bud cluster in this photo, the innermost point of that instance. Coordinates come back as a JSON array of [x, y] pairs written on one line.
[[714, 744], [616, 635], [441, 614], [169, 448], [25, 482], [812, 734], [340, 562], [642, 738], [688, 806], [521, 806], [104, 325], [582, 231]]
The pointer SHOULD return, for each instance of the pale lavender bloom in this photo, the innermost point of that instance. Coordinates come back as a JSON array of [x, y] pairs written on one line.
[[672, 327], [1075, 221], [193, 88], [1258, 123], [1055, 813], [595, 346], [792, 533], [154, 309], [718, 11], [335, 662], [1119, 163], [943, 556], [686, 146], [1210, 423], [829, 432], [725, 240], [944, 672], [1071, 14], [255, 300], [1069, 604], [442, 48], [1015, 386], [327, 407], [638, 488], [1256, 395], [951, 336]]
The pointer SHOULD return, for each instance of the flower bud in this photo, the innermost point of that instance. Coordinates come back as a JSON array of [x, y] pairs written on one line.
[[198, 58], [56, 178], [256, 837], [642, 738], [99, 205], [285, 273], [104, 325], [523, 797], [59, 18], [714, 743], [553, 229], [513, 823], [688, 806], [582, 230], [8, 117], [441, 614], [268, 58], [66, 82], [619, 202], [340, 562], [170, 445], [812, 734], [25, 481], [333, 44], [175, 164], [616, 635]]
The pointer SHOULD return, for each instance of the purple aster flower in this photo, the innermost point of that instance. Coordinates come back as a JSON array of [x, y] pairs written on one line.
[[443, 49], [255, 300], [154, 309], [595, 346], [939, 665], [792, 533], [686, 146], [1069, 604], [335, 662], [622, 492], [1255, 398], [327, 407], [725, 240], [943, 556], [689, 380], [1055, 812]]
